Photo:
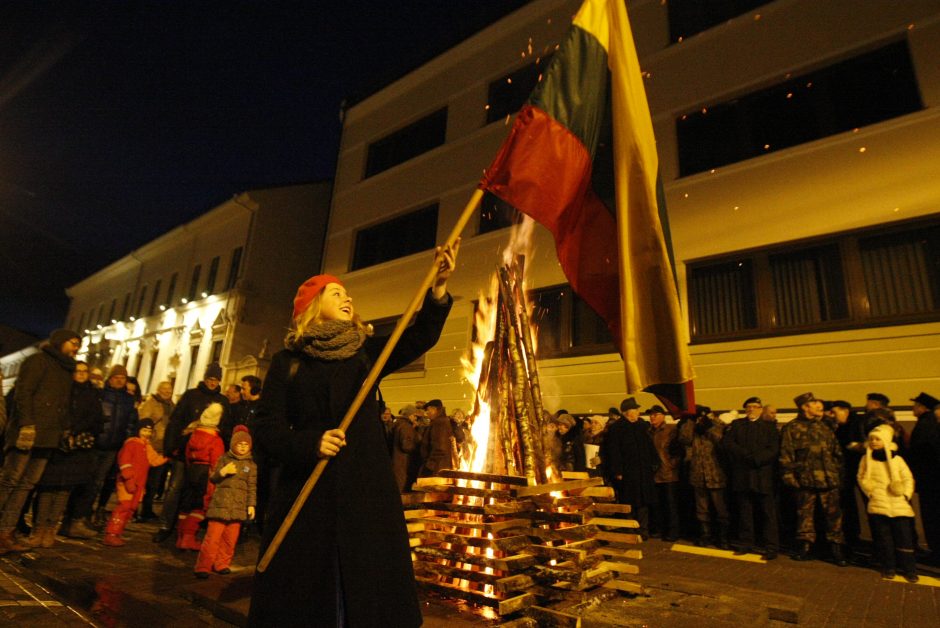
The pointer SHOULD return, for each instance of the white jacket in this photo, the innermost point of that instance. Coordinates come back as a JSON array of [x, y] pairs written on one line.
[[888, 484]]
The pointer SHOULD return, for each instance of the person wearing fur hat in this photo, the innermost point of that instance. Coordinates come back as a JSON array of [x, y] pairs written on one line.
[[203, 450], [134, 462], [40, 418], [887, 482], [309, 388], [235, 478]]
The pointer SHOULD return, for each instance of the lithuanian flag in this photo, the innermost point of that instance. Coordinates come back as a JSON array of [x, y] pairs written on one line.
[[581, 160]]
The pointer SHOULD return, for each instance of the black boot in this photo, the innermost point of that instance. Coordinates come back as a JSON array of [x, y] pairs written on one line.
[[838, 556], [705, 536], [802, 552], [722, 536]]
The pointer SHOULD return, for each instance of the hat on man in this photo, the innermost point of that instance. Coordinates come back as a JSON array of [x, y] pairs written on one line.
[[751, 400], [117, 370], [806, 397], [565, 419], [436, 403], [408, 410], [213, 371], [926, 400], [629, 404], [838, 403], [60, 336], [657, 409], [310, 289], [211, 416], [883, 399]]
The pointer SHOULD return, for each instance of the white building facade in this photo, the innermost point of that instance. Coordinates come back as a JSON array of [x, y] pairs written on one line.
[[217, 289], [799, 149]]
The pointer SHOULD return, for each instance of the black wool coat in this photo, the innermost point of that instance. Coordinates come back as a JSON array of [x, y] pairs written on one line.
[[75, 467], [631, 454], [43, 388], [350, 535], [753, 447]]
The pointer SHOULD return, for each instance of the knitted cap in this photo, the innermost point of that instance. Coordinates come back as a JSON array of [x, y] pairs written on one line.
[[60, 336], [117, 369], [310, 289], [886, 433], [213, 370], [211, 416], [241, 435]]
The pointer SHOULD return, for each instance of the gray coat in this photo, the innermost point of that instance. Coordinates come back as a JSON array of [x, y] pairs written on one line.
[[233, 493], [43, 390]]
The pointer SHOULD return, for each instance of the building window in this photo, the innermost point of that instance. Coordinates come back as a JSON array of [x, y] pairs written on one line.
[[140, 302], [401, 236], [407, 143], [100, 318], [127, 304], [154, 299], [866, 89], [234, 268], [111, 310], [153, 369], [194, 284], [891, 273], [508, 93], [495, 213], [213, 273], [171, 291], [384, 327], [81, 322], [689, 17], [193, 356], [566, 325], [217, 351]]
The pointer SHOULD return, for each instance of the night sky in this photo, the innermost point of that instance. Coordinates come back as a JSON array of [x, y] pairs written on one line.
[[119, 121]]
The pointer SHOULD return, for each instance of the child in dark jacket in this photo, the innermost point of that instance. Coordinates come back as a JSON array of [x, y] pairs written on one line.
[[134, 462], [203, 450], [233, 501]]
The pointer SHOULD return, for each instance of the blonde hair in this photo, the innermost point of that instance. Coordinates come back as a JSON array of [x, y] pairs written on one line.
[[311, 316]]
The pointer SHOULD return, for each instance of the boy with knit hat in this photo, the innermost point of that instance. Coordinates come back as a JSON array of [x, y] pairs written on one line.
[[134, 460], [887, 482], [235, 478], [203, 450]]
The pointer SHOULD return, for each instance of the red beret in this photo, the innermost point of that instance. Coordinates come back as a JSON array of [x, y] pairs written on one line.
[[309, 289]]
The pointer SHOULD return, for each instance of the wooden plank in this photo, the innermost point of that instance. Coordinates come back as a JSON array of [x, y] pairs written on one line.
[[589, 579], [515, 480], [599, 493], [447, 571], [550, 501], [452, 590], [565, 517], [414, 541], [625, 586], [541, 489], [620, 567], [506, 544], [414, 527], [557, 553], [575, 475], [610, 522], [510, 564], [573, 533], [521, 622], [616, 552], [417, 499], [489, 527], [490, 493], [517, 603], [509, 584], [423, 483], [414, 514], [618, 537], [625, 509], [553, 618]]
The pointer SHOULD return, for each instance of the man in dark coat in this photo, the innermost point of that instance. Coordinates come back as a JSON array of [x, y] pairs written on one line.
[[188, 409], [43, 389], [349, 539], [437, 447], [924, 456], [404, 442], [753, 446], [850, 433], [669, 450], [632, 462]]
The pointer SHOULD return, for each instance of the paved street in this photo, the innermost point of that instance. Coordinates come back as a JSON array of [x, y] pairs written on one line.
[[80, 583]]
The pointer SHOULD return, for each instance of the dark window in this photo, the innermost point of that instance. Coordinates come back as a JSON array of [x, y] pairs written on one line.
[[890, 273], [194, 284], [100, 318], [566, 325], [153, 368], [496, 213], [401, 236], [81, 322], [866, 89], [213, 273], [193, 356], [127, 305], [91, 318], [406, 143], [384, 327], [688, 17], [154, 299], [216, 351], [111, 310], [171, 290], [140, 302], [507, 94], [234, 268]]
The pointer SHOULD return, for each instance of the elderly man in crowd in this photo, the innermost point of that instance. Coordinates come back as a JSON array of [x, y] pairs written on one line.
[[666, 478]]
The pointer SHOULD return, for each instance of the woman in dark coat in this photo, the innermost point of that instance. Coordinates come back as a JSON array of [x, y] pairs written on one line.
[[346, 560]]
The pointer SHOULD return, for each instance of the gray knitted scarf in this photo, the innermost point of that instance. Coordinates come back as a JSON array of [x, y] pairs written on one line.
[[330, 340]]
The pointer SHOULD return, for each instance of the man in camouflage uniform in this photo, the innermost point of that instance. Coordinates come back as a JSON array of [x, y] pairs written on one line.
[[811, 463]]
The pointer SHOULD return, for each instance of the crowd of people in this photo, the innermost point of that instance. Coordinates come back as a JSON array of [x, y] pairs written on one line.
[[735, 481], [72, 441]]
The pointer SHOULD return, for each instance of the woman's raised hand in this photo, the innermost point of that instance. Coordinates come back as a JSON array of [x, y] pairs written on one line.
[[446, 257]]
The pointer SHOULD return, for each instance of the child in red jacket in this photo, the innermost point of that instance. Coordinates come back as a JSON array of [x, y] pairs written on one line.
[[203, 449], [134, 460]]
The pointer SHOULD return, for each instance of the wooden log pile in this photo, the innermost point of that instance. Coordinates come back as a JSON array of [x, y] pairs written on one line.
[[528, 551]]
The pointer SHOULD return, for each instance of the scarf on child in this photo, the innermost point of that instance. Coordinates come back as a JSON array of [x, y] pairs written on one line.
[[329, 340]]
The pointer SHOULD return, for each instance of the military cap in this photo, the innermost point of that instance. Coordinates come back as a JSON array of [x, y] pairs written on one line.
[[806, 397], [750, 400], [878, 397]]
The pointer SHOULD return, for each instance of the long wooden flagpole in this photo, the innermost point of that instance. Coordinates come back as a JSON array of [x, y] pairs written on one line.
[[369, 381]]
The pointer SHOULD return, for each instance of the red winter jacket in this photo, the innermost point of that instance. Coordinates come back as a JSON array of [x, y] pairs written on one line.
[[134, 461], [204, 447]]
